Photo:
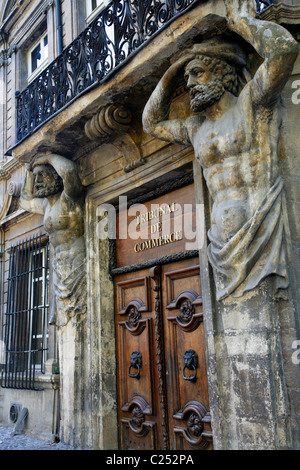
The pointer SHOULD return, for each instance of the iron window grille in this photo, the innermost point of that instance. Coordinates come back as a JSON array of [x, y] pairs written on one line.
[[26, 317]]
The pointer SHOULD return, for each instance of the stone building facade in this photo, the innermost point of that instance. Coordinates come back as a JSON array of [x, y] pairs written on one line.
[[119, 331]]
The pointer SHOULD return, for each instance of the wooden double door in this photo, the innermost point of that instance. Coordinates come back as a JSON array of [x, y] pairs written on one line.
[[161, 367]]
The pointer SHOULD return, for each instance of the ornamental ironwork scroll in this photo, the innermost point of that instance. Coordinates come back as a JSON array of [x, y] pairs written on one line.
[[263, 4], [120, 29], [112, 37]]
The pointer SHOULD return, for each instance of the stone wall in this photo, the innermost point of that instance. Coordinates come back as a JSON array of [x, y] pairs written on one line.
[[254, 384]]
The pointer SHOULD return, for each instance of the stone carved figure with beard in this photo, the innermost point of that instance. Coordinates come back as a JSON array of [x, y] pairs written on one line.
[[203, 95], [235, 136], [53, 189]]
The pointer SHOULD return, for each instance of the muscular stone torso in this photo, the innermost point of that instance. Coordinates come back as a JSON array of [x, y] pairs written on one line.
[[237, 167], [64, 223]]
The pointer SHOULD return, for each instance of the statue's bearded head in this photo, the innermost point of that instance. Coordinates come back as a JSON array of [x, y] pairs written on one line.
[[46, 181], [207, 80]]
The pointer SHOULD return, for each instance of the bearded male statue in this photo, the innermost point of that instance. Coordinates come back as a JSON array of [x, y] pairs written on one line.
[[53, 189], [235, 138]]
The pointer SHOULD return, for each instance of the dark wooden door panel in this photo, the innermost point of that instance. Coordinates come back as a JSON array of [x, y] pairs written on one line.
[[185, 357], [138, 402], [133, 293], [135, 364], [137, 433], [162, 380]]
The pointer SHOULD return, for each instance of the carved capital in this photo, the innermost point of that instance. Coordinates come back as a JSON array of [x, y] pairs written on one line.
[[3, 59], [12, 50]]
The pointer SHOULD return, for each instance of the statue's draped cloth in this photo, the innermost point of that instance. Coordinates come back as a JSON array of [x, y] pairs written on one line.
[[69, 279], [256, 251]]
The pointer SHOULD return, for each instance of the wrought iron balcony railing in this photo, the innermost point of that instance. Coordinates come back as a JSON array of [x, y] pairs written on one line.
[[121, 29]]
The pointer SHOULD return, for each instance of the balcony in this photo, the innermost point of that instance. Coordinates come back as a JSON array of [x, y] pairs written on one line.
[[120, 30]]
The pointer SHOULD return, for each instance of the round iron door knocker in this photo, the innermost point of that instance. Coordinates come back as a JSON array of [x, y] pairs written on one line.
[[190, 363], [135, 363]]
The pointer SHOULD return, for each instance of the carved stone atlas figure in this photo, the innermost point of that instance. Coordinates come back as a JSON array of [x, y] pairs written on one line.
[[235, 139], [53, 189]]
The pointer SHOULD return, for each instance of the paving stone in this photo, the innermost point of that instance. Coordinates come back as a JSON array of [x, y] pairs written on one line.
[[23, 441]]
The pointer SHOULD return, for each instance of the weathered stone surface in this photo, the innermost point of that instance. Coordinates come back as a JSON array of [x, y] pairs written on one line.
[[235, 135], [53, 189], [239, 373], [236, 142]]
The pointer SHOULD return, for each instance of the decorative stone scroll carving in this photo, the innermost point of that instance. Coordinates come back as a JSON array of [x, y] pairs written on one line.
[[234, 130], [113, 120], [108, 120], [14, 188], [11, 199]]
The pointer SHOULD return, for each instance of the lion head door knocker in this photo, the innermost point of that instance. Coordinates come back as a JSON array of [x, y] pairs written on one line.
[[190, 363], [135, 363]]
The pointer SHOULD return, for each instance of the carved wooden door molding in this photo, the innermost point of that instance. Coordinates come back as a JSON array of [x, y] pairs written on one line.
[[162, 382], [188, 405]]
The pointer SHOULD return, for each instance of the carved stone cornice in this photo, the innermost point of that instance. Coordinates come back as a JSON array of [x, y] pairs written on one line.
[[282, 14]]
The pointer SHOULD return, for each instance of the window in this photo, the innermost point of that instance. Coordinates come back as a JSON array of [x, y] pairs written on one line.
[[37, 57], [26, 318], [93, 7]]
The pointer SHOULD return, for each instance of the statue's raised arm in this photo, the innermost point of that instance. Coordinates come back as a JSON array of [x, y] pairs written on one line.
[[272, 42], [156, 113]]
